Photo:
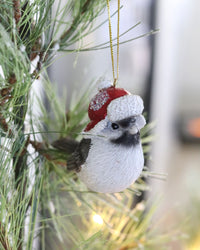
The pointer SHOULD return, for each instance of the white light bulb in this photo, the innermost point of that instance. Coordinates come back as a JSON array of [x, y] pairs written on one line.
[[97, 219]]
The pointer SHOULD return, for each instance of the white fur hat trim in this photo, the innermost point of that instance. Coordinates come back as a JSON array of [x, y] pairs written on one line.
[[125, 106]]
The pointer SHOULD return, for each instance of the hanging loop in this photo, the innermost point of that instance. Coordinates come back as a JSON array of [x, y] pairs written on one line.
[[115, 78]]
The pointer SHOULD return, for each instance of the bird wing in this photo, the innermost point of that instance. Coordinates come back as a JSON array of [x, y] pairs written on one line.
[[66, 145], [79, 156]]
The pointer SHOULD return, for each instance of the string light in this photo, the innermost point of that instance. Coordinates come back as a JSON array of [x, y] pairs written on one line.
[[194, 127], [97, 219]]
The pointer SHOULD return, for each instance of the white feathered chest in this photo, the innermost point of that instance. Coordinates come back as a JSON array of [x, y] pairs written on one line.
[[111, 168]]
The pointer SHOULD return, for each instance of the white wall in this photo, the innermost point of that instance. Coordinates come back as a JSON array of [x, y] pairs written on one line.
[[177, 91]]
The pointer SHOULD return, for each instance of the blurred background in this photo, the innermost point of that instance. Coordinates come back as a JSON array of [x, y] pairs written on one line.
[[164, 69]]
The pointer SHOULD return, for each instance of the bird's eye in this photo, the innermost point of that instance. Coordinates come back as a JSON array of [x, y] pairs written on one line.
[[114, 126]]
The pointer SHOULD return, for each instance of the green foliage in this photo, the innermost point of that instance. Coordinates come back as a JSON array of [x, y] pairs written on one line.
[[34, 184], [28, 31], [72, 211], [16, 202]]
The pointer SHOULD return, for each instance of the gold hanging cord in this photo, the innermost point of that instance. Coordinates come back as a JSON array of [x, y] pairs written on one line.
[[115, 78]]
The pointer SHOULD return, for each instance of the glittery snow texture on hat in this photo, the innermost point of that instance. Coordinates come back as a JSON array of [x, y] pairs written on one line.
[[97, 110]]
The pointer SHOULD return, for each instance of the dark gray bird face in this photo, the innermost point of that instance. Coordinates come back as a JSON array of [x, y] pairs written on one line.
[[125, 132]]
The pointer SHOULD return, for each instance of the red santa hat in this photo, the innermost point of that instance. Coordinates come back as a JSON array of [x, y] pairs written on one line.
[[116, 103]]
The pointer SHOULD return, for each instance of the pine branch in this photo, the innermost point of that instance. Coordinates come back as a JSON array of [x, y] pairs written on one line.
[[6, 95], [82, 17], [75, 22], [42, 59], [17, 12], [4, 238], [4, 124]]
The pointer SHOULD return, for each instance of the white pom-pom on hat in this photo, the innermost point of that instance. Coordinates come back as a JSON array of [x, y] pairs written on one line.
[[103, 84], [125, 106]]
